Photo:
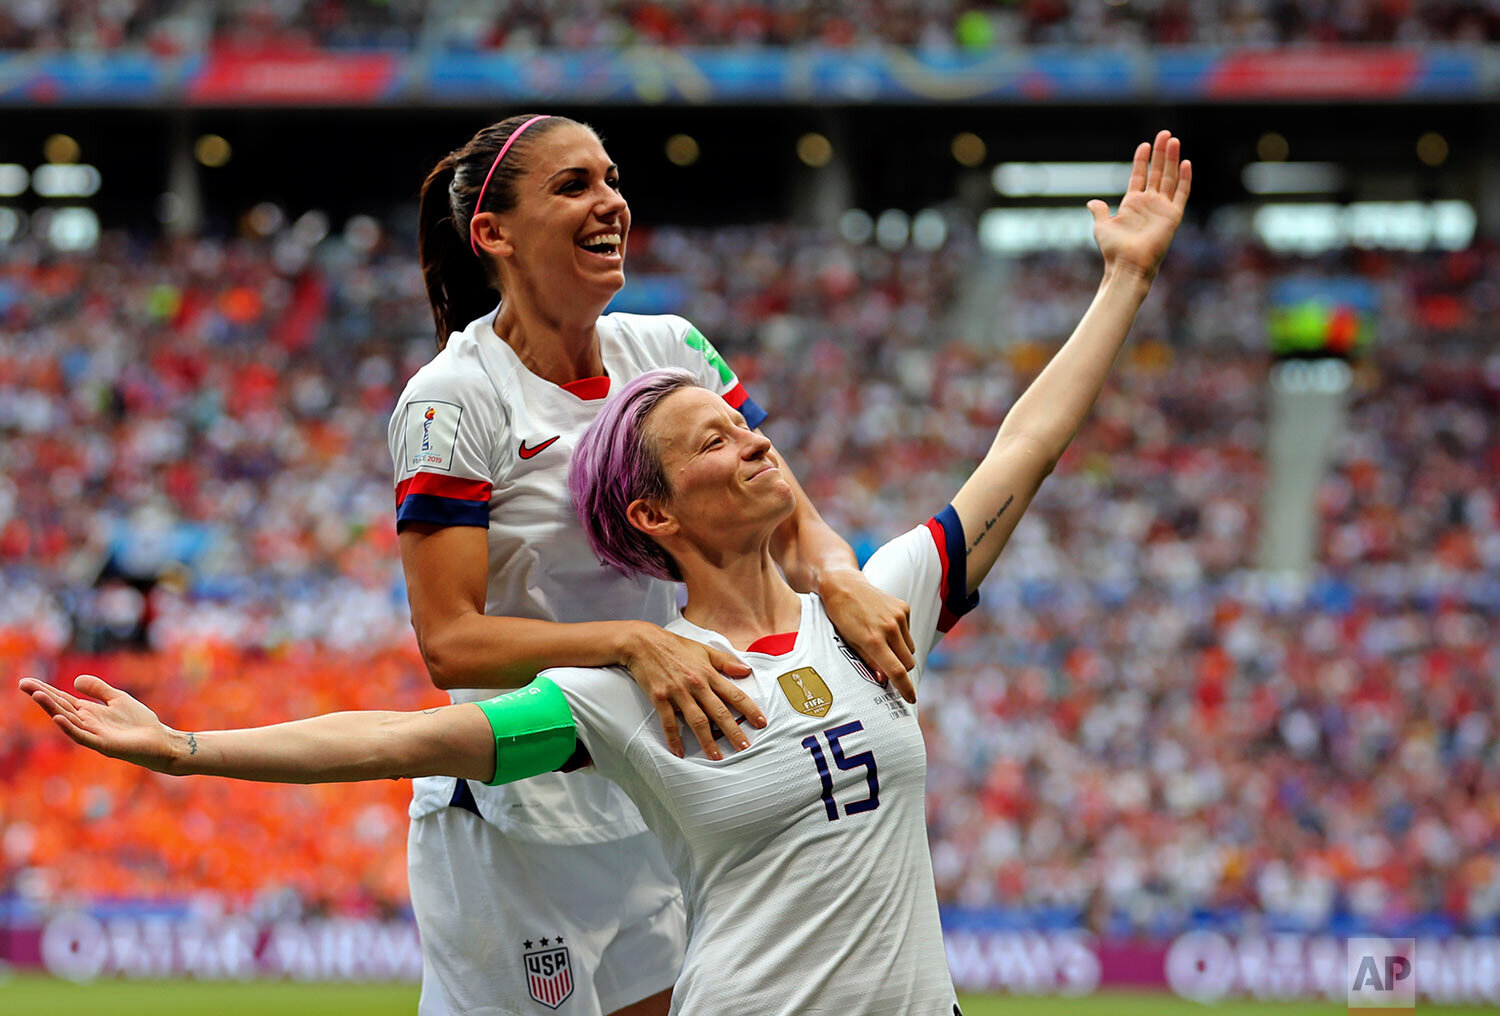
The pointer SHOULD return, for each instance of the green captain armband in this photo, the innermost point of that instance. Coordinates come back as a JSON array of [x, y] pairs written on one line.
[[534, 731]]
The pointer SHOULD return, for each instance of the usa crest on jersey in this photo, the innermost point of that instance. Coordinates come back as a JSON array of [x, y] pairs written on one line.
[[860, 666], [549, 974]]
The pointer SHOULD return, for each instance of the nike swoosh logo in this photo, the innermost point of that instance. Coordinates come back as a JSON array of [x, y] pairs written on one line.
[[527, 453]]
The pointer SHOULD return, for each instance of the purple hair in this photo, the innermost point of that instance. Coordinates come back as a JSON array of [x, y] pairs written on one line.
[[613, 465]]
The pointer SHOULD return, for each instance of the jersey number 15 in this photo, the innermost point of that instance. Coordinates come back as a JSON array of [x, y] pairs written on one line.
[[864, 759]]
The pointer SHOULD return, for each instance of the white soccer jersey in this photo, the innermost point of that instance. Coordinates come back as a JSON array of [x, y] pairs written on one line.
[[803, 859], [479, 440]]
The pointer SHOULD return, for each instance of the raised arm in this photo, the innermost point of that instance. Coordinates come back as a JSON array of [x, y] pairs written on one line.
[[463, 647], [336, 748], [1042, 423]]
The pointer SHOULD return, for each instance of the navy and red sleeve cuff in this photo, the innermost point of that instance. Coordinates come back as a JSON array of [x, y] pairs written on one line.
[[948, 533], [443, 500], [740, 399]]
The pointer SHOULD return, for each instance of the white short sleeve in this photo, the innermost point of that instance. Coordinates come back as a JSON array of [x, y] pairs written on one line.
[[607, 708], [443, 438], [689, 348], [926, 568]]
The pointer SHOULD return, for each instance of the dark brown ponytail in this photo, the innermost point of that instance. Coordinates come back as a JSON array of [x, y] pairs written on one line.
[[460, 285]]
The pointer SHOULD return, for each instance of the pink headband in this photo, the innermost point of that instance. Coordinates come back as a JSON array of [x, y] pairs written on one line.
[[485, 186]]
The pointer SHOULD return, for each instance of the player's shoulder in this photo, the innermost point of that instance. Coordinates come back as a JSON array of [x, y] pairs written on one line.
[[928, 565], [668, 340], [461, 374], [680, 625], [602, 699], [583, 682], [457, 363], [894, 562], [658, 338]]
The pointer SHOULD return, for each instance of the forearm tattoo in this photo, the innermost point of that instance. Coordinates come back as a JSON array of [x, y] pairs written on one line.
[[192, 745], [989, 525]]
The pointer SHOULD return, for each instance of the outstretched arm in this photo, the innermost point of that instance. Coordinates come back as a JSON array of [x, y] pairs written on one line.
[[337, 748], [1042, 423]]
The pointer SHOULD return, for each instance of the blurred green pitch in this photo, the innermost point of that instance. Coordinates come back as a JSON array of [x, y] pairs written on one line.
[[43, 996]]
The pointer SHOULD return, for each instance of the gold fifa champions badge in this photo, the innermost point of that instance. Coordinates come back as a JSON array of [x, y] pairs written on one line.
[[806, 691]]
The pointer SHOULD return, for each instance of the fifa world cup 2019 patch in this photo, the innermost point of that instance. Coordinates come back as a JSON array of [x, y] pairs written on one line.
[[807, 692], [431, 434]]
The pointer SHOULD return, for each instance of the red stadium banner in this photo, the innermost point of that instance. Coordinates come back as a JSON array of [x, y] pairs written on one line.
[[300, 78], [1315, 73]]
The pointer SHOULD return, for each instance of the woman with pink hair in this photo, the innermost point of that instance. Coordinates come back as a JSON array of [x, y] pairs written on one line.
[[523, 238], [803, 857]]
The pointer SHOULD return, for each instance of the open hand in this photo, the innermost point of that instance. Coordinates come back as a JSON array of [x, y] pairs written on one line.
[[875, 624], [687, 678], [1137, 236], [117, 725]]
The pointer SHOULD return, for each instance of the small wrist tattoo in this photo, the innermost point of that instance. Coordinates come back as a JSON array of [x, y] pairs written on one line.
[[192, 745], [990, 525]]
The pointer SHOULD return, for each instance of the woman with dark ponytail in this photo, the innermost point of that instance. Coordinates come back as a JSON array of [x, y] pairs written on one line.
[[549, 895], [810, 886], [457, 285]]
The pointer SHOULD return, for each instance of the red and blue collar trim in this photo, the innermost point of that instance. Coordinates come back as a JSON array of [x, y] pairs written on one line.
[[774, 645], [589, 389]]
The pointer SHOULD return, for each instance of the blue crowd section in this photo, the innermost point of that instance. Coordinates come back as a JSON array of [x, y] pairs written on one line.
[[717, 75]]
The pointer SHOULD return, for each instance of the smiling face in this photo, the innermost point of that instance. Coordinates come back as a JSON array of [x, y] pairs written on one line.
[[724, 485], [567, 233]]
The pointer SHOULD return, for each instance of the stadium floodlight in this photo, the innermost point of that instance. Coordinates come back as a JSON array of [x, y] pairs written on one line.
[[61, 148], [1011, 231], [1272, 147], [929, 229], [683, 150], [12, 223], [73, 228], [968, 149], [13, 179], [1293, 178], [1453, 224], [1060, 179], [65, 180], [212, 151], [814, 150], [1432, 149], [856, 226], [1301, 228], [1384, 225], [892, 229]]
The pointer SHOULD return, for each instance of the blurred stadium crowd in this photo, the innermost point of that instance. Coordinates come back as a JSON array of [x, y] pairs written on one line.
[[188, 26], [1132, 730]]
